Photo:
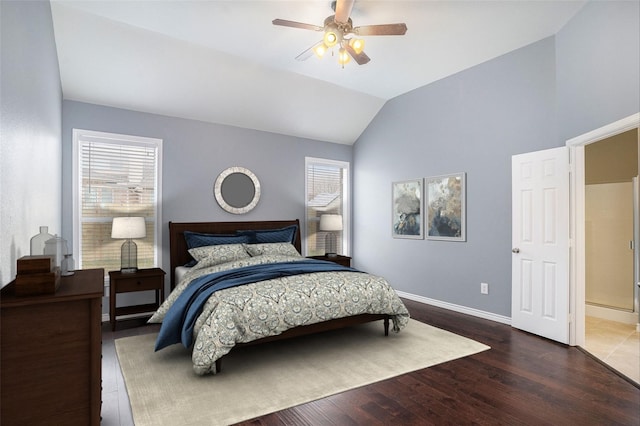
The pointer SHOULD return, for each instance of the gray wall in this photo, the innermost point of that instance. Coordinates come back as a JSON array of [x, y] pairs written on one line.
[[30, 151], [194, 153], [528, 100], [471, 122], [598, 56]]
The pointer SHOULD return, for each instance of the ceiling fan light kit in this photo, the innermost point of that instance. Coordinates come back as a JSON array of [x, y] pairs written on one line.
[[336, 28]]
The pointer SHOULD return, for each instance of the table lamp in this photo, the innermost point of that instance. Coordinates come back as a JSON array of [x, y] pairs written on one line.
[[128, 228], [331, 223]]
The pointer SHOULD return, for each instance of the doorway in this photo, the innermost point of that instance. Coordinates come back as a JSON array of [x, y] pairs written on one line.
[[610, 168], [594, 189]]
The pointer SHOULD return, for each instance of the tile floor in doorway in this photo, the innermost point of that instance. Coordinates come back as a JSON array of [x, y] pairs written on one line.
[[615, 343]]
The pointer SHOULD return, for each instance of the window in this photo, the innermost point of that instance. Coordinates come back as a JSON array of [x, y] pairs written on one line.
[[327, 184], [114, 176]]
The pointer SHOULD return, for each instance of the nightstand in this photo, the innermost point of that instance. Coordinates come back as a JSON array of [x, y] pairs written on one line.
[[142, 280], [339, 259]]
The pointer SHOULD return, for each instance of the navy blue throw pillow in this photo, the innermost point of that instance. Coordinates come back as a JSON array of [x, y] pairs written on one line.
[[282, 235], [195, 239]]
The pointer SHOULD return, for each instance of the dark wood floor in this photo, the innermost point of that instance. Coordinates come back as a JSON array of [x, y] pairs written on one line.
[[523, 380]]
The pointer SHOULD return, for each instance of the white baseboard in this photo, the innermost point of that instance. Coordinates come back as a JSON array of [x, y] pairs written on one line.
[[457, 308], [602, 312]]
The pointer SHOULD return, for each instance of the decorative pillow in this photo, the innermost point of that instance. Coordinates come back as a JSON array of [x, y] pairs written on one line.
[[195, 239], [282, 235], [282, 249], [215, 255]]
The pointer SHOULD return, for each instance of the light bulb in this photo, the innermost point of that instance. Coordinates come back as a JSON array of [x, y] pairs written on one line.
[[330, 38], [357, 45]]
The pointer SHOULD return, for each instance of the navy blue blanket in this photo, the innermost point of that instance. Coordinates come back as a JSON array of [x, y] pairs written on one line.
[[180, 319]]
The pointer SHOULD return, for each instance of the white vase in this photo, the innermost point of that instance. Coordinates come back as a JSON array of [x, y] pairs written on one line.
[[38, 241]]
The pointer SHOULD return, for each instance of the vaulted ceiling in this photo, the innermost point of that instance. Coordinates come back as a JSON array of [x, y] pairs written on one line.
[[224, 62]]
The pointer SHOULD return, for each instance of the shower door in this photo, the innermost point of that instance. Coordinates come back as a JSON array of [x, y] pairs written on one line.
[[609, 232]]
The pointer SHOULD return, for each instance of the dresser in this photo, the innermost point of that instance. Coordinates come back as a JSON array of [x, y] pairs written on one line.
[[50, 353]]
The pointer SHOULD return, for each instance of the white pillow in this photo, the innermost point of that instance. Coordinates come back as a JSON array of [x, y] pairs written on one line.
[[215, 255], [282, 249]]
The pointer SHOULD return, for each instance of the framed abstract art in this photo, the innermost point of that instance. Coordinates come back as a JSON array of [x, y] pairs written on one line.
[[406, 202], [445, 207]]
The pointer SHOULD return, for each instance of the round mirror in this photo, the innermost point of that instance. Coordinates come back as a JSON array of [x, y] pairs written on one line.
[[237, 190]]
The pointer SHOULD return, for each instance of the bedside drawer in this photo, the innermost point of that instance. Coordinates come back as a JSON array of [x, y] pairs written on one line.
[[124, 285], [339, 259], [344, 261]]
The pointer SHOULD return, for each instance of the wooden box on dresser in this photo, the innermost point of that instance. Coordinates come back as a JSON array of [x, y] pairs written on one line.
[[50, 353]]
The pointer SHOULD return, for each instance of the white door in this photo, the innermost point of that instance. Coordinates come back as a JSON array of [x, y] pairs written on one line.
[[540, 238]]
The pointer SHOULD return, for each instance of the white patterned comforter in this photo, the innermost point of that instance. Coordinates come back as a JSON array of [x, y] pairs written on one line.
[[267, 308]]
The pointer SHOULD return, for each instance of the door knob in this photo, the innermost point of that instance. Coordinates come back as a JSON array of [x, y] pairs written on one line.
[[515, 250]]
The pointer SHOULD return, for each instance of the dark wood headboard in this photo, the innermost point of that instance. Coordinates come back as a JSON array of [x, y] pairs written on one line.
[[178, 246]]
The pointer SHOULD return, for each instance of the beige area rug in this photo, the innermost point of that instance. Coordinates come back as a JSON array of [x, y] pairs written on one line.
[[257, 380]]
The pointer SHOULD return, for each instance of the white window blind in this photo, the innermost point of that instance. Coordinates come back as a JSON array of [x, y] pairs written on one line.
[[114, 176], [327, 183]]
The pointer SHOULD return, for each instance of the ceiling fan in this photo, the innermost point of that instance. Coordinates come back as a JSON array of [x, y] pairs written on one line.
[[337, 29]]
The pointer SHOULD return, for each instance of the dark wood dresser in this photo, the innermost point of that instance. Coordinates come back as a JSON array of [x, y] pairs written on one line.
[[50, 353]]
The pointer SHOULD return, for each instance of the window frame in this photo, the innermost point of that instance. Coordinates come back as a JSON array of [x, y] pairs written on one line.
[[346, 201], [104, 137]]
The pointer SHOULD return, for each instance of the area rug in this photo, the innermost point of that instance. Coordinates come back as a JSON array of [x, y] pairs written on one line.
[[257, 380]]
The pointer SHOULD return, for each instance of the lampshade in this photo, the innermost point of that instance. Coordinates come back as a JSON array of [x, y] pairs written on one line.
[[331, 38], [331, 222], [128, 227], [320, 50], [357, 44], [343, 56]]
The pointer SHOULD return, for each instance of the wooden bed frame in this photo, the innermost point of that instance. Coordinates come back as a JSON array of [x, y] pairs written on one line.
[[180, 256]]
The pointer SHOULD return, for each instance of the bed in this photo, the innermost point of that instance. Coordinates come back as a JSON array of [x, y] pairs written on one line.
[[294, 297]]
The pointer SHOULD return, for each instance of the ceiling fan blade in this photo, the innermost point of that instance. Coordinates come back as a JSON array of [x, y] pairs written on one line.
[[384, 29], [294, 24], [343, 10], [309, 52], [361, 58]]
